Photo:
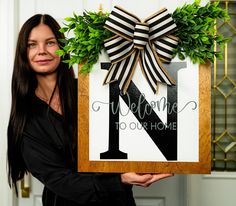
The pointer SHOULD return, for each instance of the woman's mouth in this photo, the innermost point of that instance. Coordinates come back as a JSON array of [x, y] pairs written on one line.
[[43, 61]]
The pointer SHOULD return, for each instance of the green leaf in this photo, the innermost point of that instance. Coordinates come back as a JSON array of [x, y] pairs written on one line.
[[181, 56], [219, 56], [60, 52], [195, 36], [205, 39], [64, 29], [69, 19], [90, 47], [197, 2]]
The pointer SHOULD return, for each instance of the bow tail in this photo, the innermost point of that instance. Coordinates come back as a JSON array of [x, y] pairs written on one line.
[[153, 69], [123, 71]]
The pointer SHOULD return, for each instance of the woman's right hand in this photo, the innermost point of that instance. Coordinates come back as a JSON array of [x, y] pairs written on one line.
[[143, 180]]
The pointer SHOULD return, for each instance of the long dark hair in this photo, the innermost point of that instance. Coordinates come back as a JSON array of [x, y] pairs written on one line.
[[24, 83]]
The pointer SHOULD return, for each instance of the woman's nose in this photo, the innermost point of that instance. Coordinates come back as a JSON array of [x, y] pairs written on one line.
[[42, 49]]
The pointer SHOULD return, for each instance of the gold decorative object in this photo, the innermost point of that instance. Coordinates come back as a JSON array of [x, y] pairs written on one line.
[[224, 98], [25, 186]]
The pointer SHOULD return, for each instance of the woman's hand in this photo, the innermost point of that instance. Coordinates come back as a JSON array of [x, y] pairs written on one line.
[[143, 180]]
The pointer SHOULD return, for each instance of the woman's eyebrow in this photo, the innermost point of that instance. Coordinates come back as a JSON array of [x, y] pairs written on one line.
[[50, 38]]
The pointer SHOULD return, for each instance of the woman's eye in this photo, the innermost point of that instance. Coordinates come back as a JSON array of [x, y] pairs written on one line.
[[31, 45], [51, 43]]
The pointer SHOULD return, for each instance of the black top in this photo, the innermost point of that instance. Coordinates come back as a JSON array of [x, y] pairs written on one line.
[[46, 153]]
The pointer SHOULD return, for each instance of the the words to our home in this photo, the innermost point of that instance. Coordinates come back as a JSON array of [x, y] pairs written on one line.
[[147, 126]]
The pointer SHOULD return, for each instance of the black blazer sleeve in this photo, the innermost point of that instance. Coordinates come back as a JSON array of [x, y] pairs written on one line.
[[48, 165]]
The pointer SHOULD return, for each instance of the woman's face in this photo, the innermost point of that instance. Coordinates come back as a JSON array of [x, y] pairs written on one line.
[[42, 45]]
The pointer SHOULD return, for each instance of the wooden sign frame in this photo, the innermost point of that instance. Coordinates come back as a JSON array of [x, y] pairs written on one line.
[[203, 166]]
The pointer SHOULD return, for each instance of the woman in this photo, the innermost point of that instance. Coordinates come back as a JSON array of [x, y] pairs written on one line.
[[42, 127]]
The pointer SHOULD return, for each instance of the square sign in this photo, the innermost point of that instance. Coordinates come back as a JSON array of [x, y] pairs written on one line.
[[139, 131]]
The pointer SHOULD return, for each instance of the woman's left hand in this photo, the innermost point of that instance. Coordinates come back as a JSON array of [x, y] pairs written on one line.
[[157, 177], [143, 180]]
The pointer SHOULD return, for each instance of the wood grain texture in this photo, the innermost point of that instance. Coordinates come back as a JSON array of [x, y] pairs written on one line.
[[201, 167]]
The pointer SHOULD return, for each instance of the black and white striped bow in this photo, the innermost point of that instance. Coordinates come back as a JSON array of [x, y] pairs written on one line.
[[149, 43]]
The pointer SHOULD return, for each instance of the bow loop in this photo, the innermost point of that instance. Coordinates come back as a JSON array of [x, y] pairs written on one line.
[[148, 42], [160, 23], [164, 47], [118, 48]]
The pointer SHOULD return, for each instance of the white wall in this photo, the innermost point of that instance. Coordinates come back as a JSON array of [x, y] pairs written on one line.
[[212, 190], [7, 42]]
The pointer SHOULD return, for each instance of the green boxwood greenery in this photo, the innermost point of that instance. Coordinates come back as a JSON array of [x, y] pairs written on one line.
[[196, 33], [87, 41]]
